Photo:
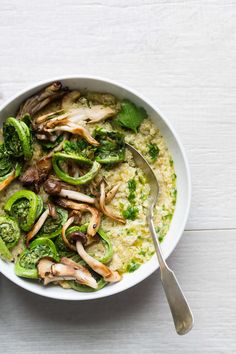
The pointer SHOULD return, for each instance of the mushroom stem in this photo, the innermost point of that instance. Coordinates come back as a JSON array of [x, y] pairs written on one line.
[[7, 181], [63, 233], [100, 268], [80, 197], [104, 208], [36, 102], [112, 192], [37, 226]]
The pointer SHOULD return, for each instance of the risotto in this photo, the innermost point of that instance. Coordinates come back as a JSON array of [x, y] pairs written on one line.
[[73, 202]]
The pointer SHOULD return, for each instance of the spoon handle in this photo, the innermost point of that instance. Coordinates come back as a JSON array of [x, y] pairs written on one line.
[[181, 312]]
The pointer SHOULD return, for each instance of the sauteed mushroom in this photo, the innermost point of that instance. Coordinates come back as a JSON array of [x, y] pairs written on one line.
[[108, 274], [104, 208], [41, 99], [84, 208], [73, 120], [54, 272]]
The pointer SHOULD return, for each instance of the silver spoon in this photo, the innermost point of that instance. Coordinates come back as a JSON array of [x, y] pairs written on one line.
[[181, 313]]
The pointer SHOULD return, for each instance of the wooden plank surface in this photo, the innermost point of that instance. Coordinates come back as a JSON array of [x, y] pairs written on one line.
[[138, 320], [181, 54]]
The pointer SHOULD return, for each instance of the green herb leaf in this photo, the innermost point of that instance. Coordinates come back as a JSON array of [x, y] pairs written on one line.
[[132, 185], [130, 116], [130, 213], [153, 151], [132, 266], [132, 188]]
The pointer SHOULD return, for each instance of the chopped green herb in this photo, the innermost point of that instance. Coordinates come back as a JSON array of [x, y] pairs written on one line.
[[142, 253], [142, 179], [132, 266], [144, 196], [167, 217], [121, 205], [132, 189], [131, 197], [130, 213], [160, 238], [132, 185], [153, 151], [174, 177], [174, 195], [130, 116]]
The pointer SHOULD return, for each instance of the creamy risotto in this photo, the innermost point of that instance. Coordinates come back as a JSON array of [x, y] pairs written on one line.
[[73, 203]]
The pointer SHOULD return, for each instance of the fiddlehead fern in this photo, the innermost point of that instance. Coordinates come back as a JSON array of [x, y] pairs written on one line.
[[9, 236], [17, 138], [9, 168], [6, 164], [26, 264], [60, 157], [26, 207], [107, 246]]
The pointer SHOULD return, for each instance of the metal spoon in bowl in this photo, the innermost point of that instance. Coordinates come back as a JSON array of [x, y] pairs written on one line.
[[181, 313]]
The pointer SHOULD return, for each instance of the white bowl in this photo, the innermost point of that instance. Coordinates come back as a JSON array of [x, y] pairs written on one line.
[[183, 187]]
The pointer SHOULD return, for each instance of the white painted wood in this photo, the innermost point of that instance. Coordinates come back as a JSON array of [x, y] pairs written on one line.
[[138, 320], [181, 54]]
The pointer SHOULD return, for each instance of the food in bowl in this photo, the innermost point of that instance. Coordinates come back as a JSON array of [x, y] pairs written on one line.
[[73, 202]]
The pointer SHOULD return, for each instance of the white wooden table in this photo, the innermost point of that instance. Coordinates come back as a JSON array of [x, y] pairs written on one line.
[[182, 55]]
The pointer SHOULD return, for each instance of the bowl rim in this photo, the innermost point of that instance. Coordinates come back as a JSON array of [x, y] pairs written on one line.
[[97, 295]]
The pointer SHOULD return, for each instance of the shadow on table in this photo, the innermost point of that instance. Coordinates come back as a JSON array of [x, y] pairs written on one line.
[[89, 313]]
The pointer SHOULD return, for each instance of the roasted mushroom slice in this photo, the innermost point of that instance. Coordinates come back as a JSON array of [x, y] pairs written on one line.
[[81, 275], [37, 174], [41, 99], [54, 272], [73, 120], [44, 267]]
